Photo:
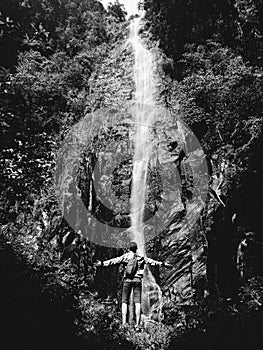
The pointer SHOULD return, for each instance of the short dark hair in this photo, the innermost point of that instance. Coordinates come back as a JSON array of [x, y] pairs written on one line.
[[133, 246]]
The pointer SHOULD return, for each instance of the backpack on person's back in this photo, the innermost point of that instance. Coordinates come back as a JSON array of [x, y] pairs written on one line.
[[132, 267]]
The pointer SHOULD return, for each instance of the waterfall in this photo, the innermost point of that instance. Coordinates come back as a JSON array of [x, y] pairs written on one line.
[[144, 119]]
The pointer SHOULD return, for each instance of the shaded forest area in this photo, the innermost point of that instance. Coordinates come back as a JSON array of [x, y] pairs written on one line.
[[210, 73]]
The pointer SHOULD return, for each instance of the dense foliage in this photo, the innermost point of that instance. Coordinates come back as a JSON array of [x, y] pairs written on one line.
[[233, 23], [44, 84], [209, 63]]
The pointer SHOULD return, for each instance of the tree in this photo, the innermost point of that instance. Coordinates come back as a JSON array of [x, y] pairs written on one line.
[[250, 27], [117, 10], [175, 23]]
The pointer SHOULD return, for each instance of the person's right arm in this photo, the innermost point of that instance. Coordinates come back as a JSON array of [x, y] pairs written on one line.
[[113, 261]]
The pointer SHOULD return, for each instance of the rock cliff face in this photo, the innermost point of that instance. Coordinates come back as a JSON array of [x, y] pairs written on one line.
[[185, 249], [173, 206]]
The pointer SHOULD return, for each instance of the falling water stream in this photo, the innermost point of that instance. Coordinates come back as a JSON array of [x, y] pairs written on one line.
[[144, 118]]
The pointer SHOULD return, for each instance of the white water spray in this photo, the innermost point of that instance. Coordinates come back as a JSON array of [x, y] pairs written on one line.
[[144, 120]]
